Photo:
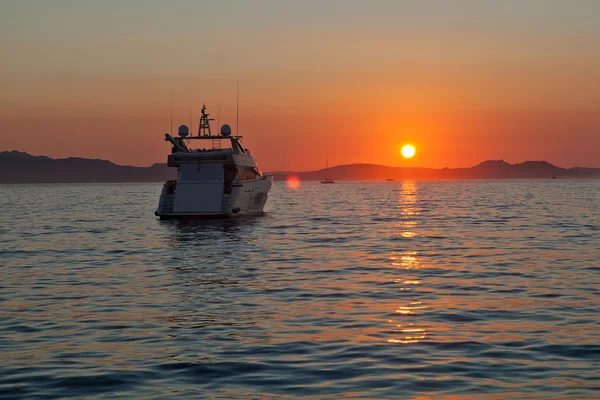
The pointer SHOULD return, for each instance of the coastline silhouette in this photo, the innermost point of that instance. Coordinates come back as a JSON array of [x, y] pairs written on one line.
[[20, 167]]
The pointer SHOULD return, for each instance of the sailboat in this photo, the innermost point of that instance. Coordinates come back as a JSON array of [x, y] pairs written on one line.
[[327, 180]]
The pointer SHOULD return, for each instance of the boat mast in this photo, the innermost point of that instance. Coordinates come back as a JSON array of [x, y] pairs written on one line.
[[326, 167], [204, 127]]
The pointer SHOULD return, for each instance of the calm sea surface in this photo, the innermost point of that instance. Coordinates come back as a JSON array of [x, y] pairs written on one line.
[[484, 289]]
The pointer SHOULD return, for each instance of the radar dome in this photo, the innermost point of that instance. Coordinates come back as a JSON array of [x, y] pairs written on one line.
[[225, 130], [183, 131]]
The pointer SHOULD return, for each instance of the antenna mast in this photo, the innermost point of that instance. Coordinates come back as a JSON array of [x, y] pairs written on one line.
[[171, 111], [237, 110], [204, 127], [219, 116]]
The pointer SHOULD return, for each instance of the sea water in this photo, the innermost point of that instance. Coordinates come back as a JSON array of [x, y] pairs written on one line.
[[484, 289]]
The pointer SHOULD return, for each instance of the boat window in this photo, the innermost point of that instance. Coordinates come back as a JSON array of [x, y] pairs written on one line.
[[248, 173], [237, 147]]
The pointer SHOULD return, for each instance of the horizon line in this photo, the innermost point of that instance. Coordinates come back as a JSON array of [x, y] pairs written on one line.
[[321, 169]]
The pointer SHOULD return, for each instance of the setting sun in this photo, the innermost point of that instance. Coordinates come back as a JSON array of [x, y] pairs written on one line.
[[408, 151]]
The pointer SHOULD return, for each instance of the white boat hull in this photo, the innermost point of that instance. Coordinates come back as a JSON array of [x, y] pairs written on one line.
[[247, 197]]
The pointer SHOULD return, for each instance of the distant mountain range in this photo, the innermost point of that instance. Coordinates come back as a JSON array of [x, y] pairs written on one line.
[[19, 167], [492, 169]]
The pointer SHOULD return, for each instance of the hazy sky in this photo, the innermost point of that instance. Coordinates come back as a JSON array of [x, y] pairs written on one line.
[[463, 81]]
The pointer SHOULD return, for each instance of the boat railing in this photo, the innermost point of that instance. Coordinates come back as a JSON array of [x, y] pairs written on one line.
[[170, 185]]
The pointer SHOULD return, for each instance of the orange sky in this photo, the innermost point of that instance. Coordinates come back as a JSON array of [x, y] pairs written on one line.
[[347, 80]]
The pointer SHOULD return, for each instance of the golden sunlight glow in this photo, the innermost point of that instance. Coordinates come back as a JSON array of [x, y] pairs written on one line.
[[408, 151]]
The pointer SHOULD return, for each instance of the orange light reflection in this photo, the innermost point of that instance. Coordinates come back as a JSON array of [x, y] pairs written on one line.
[[292, 182], [408, 260]]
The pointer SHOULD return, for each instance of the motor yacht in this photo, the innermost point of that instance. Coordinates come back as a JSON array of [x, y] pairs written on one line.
[[220, 178]]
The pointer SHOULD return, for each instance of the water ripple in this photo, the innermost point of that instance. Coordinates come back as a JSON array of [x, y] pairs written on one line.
[[375, 290]]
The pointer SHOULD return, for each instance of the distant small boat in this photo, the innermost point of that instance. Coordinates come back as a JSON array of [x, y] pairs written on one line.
[[389, 180], [553, 177], [327, 180]]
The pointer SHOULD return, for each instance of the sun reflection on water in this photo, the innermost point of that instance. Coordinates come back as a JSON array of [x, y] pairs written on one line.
[[408, 261], [408, 334], [409, 213]]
